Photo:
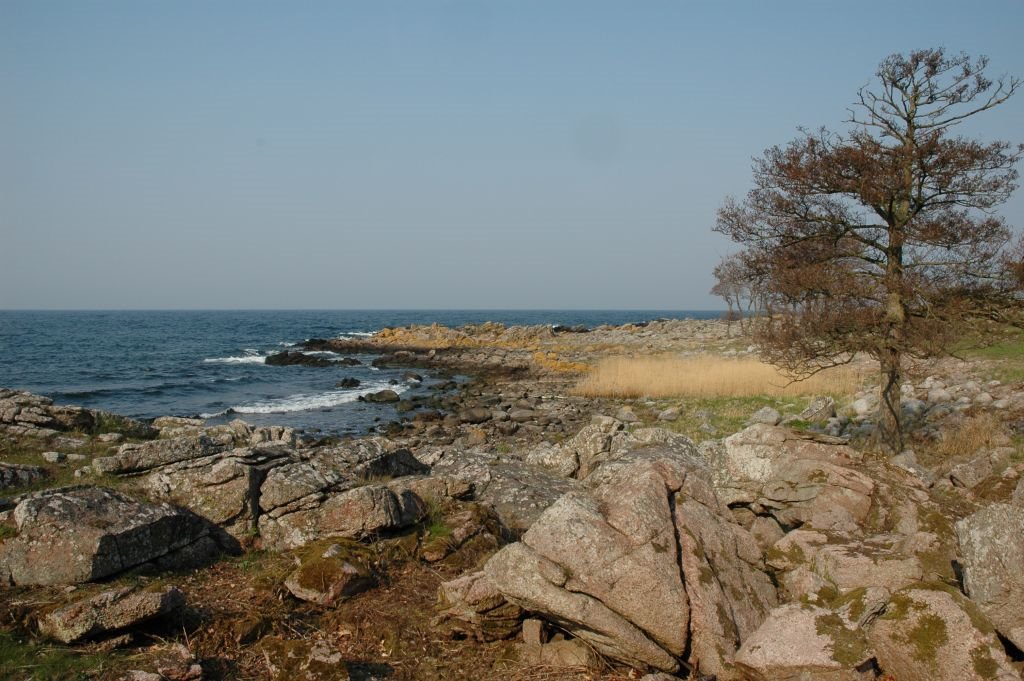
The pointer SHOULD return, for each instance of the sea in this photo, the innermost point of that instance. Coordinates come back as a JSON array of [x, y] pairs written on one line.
[[210, 364]]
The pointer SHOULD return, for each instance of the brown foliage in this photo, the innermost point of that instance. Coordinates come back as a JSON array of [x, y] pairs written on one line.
[[882, 240]]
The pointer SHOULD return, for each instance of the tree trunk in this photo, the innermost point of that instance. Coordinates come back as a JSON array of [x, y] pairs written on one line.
[[890, 426]]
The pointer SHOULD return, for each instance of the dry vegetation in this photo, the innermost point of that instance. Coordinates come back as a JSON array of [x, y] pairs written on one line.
[[709, 376]]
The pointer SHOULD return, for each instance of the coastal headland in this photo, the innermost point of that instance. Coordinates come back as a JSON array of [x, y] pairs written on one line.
[[638, 501]]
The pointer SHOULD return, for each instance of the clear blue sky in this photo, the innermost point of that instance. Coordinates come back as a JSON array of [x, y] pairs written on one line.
[[419, 154]]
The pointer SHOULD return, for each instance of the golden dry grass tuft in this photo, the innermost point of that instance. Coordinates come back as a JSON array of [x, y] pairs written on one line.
[[709, 376], [973, 434]]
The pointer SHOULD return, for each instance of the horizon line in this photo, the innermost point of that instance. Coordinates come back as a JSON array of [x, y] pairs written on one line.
[[357, 309]]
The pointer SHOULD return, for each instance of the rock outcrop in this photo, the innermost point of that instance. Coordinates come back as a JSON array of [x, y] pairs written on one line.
[[937, 635], [72, 535], [643, 566], [992, 546]]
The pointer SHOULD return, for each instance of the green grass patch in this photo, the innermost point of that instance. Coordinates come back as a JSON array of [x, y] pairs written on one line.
[[29, 661], [712, 418], [1004, 359]]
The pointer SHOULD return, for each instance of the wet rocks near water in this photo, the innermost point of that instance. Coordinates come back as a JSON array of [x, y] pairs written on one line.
[[381, 397], [348, 383], [298, 358], [23, 414]]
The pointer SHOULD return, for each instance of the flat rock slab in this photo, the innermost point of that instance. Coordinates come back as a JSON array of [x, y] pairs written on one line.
[[143, 456], [109, 612], [79, 534], [800, 641]]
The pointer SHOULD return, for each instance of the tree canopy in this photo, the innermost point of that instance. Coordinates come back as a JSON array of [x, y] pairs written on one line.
[[883, 239]]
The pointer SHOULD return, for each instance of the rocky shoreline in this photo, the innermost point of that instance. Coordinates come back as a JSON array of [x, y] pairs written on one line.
[[503, 526]]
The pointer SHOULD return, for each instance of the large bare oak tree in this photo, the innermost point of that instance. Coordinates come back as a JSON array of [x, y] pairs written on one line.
[[883, 239]]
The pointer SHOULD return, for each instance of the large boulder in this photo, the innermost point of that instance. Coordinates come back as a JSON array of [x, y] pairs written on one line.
[[931, 634], [992, 546], [644, 566], [799, 478], [72, 535], [223, 488], [356, 513], [108, 612]]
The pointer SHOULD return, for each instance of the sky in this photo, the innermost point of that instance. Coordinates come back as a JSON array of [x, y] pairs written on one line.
[[422, 154]]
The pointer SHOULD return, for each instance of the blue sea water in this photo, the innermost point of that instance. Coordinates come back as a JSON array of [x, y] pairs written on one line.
[[186, 363]]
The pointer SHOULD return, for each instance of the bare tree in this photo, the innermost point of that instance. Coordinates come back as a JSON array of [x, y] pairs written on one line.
[[728, 287], [737, 282], [883, 239]]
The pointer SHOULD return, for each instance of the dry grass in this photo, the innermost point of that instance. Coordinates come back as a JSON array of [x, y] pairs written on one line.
[[975, 433], [708, 376]]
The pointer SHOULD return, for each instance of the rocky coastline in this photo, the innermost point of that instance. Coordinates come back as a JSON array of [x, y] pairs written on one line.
[[505, 528]]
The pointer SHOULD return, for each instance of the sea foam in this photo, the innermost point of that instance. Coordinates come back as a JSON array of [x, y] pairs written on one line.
[[306, 402], [243, 359]]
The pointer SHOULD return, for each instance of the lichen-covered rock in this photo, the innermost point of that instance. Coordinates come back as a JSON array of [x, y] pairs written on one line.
[[23, 413], [302, 660], [143, 456], [328, 575], [992, 545], [355, 513], [802, 479], [872, 562], [78, 534], [109, 612], [460, 526], [536, 584], [804, 643], [518, 491], [17, 475], [609, 564], [971, 473], [472, 605], [937, 635], [729, 594], [223, 488]]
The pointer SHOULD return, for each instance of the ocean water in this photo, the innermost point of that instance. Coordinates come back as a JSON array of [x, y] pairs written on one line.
[[210, 363]]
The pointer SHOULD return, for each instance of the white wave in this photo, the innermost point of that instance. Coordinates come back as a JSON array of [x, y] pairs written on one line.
[[286, 344], [306, 402], [356, 334], [243, 359], [320, 353]]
